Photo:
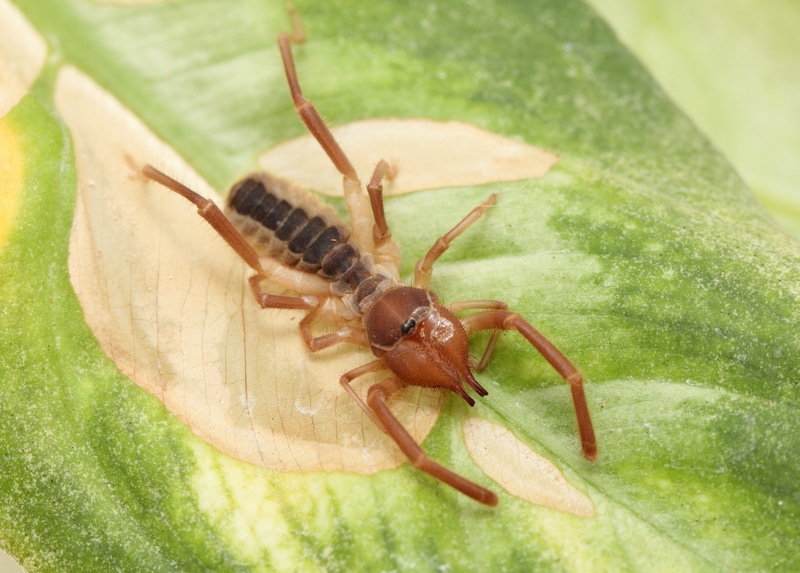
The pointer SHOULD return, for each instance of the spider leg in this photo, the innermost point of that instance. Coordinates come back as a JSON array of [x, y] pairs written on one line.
[[351, 375], [357, 203], [381, 230], [216, 218], [290, 278], [308, 113], [347, 333], [505, 320], [424, 267], [298, 34], [376, 399], [387, 252]]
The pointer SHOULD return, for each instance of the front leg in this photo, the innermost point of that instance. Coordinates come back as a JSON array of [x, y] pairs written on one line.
[[505, 320], [387, 253], [424, 267]]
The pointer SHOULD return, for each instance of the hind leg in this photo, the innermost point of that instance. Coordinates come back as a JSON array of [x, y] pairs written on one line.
[[216, 218]]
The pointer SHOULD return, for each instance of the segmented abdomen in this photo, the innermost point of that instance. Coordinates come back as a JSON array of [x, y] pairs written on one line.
[[282, 221]]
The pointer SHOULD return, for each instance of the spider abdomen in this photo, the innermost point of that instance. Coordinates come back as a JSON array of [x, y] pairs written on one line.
[[282, 221]]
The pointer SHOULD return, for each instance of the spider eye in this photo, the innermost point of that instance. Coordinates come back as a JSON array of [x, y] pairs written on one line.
[[408, 326]]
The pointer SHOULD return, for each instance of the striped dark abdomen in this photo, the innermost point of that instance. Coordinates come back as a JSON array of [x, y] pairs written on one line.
[[282, 221]]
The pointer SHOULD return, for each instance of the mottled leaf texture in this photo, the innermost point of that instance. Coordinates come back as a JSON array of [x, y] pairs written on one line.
[[167, 424]]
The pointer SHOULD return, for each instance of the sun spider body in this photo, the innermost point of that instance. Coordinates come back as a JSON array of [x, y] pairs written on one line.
[[349, 276]]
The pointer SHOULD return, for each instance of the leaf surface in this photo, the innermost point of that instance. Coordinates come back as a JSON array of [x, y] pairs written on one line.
[[640, 254]]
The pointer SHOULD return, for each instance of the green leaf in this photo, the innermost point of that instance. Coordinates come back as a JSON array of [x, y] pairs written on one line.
[[641, 255], [731, 66]]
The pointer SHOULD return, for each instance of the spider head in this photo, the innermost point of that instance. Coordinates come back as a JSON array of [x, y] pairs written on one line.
[[420, 340]]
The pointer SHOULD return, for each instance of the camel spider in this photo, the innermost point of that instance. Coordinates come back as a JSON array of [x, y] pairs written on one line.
[[349, 276]]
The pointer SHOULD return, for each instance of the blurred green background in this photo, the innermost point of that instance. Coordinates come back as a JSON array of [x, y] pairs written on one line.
[[733, 66]]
